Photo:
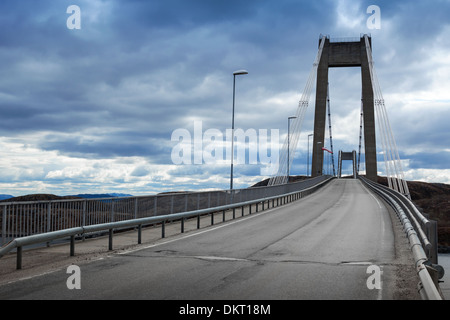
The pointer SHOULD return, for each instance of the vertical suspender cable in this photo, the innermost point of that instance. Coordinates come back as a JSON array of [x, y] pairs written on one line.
[[329, 128], [360, 135]]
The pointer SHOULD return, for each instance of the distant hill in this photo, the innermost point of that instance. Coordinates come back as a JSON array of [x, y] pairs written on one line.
[[101, 195], [38, 197], [120, 195], [5, 196], [45, 197]]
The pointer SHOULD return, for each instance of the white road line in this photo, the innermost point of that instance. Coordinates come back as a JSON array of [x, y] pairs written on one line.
[[379, 205]]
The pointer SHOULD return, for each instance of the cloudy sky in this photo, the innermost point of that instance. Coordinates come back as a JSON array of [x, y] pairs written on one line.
[[93, 110]]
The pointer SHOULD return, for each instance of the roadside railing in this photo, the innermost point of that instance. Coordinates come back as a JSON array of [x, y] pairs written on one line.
[[21, 219], [422, 237], [259, 199]]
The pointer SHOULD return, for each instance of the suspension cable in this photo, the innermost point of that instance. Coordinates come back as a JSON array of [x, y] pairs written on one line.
[[281, 176], [394, 171]]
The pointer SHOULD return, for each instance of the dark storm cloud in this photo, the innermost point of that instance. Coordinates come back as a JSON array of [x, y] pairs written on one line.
[[441, 159], [137, 70], [117, 144], [67, 82]]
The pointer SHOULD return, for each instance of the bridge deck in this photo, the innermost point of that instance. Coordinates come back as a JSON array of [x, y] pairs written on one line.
[[316, 248]]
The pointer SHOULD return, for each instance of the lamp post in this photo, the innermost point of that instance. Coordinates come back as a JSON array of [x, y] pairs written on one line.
[[236, 73], [288, 156], [307, 158]]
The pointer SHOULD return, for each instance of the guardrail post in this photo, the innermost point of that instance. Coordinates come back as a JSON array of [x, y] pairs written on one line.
[[83, 223], [198, 221], [163, 229], [4, 226], [72, 246], [19, 258], [49, 216], [433, 238], [182, 225], [112, 211], [212, 218], [49, 219], [140, 234], [84, 213], [110, 244], [135, 207]]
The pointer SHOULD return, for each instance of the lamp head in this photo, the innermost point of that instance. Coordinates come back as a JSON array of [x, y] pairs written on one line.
[[240, 72]]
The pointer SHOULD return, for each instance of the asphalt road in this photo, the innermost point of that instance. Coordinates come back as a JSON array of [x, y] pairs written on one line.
[[319, 247]]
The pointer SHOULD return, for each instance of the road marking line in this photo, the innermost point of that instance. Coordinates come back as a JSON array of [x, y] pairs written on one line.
[[379, 205], [214, 258]]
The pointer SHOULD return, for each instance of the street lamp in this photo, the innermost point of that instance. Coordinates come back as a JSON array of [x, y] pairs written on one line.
[[236, 73], [288, 156], [307, 158]]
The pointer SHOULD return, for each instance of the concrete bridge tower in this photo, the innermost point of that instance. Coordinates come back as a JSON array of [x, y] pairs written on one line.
[[339, 54]]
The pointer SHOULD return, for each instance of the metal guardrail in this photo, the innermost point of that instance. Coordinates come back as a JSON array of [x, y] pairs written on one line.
[[20, 219], [416, 227], [304, 189]]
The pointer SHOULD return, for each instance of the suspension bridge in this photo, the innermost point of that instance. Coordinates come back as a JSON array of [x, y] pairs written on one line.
[[339, 53], [321, 238]]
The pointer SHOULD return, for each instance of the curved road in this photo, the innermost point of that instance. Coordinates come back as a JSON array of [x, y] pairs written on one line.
[[319, 247]]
